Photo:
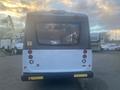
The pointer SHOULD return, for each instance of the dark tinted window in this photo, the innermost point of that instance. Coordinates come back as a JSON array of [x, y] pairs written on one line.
[[58, 34]]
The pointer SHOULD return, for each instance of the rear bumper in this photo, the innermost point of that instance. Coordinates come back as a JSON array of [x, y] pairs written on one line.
[[40, 76]]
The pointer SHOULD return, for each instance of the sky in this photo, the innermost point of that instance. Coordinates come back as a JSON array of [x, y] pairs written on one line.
[[103, 14]]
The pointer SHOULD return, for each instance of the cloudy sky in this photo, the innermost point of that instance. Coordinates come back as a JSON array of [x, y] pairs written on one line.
[[103, 14]]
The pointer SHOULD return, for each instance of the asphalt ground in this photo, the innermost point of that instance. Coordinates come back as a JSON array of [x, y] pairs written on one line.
[[106, 68]]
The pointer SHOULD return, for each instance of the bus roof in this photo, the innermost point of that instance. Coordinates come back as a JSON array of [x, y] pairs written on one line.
[[57, 13], [56, 16]]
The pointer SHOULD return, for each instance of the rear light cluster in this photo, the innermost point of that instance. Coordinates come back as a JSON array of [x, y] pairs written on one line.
[[30, 56], [30, 51], [84, 56]]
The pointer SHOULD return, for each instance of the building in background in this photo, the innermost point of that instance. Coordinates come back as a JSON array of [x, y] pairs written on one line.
[[113, 35], [96, 41]]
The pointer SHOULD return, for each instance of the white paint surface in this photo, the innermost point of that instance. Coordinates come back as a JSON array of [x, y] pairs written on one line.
[[57, 61]]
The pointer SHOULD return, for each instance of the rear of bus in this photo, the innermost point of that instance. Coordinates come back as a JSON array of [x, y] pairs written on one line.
[[56, 45]]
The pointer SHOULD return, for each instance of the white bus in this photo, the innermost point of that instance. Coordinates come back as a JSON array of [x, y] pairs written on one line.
[[56, 45]]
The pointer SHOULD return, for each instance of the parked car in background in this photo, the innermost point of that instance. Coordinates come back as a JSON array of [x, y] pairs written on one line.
[[17, 46], [5, 44], [13, 46], [110, 46]]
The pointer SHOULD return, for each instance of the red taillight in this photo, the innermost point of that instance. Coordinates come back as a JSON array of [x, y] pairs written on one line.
[[30, 56], [84, 51], [84, 56], [30, 51]]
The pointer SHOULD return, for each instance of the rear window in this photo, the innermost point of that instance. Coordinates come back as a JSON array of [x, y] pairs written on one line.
[[58, 34]]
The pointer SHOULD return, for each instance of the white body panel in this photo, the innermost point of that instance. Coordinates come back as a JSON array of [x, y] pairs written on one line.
[[57, 61]]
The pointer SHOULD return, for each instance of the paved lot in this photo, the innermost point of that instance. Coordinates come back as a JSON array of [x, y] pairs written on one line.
[[106, 66]]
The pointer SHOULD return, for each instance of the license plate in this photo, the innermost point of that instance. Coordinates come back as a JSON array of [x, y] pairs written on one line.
[[36, 78], [80, 75]]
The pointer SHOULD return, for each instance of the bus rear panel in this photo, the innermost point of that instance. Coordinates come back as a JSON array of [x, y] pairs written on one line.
[[56, 46]]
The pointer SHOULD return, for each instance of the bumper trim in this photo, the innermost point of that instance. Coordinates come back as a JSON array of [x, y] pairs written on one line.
[[40, 76]]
